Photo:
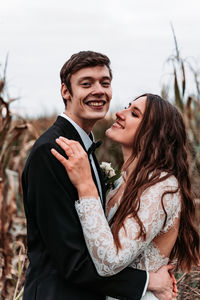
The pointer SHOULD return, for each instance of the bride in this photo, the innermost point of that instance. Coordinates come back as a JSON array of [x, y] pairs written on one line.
[[150, 212]]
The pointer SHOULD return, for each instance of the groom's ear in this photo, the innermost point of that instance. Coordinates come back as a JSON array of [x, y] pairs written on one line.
[[65, 92]]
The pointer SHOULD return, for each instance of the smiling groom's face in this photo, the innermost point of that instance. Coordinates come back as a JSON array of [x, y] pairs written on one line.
[[91, 95]]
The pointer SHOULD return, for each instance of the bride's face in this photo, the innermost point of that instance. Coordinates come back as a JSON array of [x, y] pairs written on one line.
[[127, 122]]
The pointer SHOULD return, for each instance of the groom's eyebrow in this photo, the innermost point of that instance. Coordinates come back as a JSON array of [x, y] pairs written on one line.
[[92, 78], [85, 78], [136, 108]]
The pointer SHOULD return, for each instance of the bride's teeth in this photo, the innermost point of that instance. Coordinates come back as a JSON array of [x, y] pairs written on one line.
[[118, 125]]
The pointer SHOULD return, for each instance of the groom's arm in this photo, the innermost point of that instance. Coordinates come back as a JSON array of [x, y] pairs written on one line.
[[51, 202], [127, 284]]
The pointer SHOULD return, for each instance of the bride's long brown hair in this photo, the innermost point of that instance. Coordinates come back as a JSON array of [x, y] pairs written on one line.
[[160, 145]]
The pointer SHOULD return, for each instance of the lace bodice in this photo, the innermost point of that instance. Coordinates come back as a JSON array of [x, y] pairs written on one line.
[[135, 251]]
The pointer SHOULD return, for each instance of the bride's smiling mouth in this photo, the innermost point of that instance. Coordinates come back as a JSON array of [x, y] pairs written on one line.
[[118, 125]]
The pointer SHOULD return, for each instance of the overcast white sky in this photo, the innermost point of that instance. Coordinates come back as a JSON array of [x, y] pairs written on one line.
[[40, 35]]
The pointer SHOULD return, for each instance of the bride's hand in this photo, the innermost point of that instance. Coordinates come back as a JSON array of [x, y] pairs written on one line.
[[77, 166], [163, 284]]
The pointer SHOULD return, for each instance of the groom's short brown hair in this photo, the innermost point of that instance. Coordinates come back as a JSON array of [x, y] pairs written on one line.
[[80, 60]]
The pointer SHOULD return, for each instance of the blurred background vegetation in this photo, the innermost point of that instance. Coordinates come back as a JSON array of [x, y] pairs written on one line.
[[17, 136]]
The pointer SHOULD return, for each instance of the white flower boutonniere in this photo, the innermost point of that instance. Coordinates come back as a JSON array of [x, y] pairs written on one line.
[[110, 175]]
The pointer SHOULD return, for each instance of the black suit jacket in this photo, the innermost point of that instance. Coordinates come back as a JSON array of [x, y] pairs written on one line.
[[60, 266]]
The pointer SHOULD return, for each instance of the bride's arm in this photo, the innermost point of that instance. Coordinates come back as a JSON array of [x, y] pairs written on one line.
[[97, 233], [99, 238]]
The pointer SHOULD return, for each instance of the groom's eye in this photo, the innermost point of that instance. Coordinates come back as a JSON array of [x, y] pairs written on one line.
[[105, 83], [85, 84]]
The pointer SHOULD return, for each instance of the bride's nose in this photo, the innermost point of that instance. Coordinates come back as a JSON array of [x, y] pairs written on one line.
[[120, 115]]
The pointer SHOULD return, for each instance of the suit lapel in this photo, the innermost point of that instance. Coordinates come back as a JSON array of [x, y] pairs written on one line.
[[68, 130], [71, 133], [94, 177], [101, 180]]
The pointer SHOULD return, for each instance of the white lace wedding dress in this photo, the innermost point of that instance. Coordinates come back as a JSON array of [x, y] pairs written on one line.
[[135, 252]]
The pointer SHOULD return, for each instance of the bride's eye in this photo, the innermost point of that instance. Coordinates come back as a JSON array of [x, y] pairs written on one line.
[[134, 114]]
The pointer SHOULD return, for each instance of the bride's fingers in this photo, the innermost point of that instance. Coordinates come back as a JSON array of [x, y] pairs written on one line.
[[174, 283], [61, 158], [75, 146], [67, 148], [174, 295], [64, 139]]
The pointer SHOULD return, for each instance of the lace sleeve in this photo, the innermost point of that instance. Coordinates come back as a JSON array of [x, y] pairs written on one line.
[[99, 238]]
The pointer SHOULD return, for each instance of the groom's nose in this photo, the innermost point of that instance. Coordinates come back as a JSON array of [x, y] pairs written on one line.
[[98, 89]]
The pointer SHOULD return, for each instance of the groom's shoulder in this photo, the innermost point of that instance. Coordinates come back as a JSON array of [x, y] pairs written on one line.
[[59, 128], [48, 139]]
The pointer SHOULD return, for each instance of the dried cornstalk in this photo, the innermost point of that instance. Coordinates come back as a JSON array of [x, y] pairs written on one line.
[[16, 138]]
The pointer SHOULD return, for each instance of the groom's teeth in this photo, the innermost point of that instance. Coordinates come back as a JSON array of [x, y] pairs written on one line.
[[94, 103]]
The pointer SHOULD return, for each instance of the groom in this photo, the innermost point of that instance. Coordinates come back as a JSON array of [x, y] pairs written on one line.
[[60, 266]]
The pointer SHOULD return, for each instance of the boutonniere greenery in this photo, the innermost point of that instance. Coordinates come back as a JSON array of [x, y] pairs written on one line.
[[110, 175]]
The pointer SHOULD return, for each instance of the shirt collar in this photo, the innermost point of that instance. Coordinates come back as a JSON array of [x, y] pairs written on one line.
[[84, 136]]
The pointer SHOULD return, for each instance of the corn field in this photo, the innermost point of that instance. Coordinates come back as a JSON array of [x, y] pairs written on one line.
[[17, 137]]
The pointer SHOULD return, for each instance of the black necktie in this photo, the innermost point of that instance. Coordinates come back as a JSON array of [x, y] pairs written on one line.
[[93, 147]]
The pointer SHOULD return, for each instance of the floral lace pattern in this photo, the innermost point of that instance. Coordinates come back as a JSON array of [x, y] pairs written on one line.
[[150, 259], [135, 251]]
